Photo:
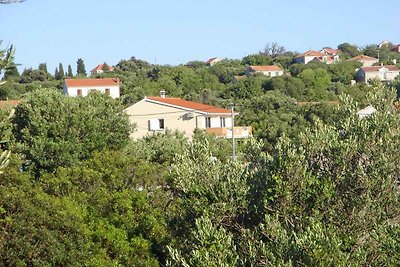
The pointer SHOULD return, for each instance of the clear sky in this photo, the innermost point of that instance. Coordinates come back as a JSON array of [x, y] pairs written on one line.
[[177, 31]]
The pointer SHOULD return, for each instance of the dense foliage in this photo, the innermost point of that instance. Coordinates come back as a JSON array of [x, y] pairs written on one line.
[[53, 130], [316, 186]]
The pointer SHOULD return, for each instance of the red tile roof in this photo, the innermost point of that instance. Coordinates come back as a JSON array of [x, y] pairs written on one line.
[[377, 68], [311, 53], [101, 67], [364, 58], [266, 68], [188, 104], [331, 51], [91, 82]]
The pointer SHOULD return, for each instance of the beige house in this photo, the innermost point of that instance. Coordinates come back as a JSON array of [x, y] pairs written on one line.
[[365, 60], [213, 61], [271, 71], [312, 55], [82, 87], [383, 73], [157, 114]]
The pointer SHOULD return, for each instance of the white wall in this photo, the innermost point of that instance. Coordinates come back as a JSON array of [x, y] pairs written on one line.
[[73, 91]]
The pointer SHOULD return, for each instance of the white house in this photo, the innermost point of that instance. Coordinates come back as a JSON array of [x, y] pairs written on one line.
[[82, 87], [100, 69], [383, 73], [156, 114], [311, 55], [271, 71]]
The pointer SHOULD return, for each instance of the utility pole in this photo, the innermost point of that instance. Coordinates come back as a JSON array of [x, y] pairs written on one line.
[[233, 134]]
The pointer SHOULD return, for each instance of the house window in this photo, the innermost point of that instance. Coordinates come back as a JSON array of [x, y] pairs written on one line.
[[222, 120], [161, 124], [277, 73], [107, 92], [79, 92], [156, 124], [208, 122]]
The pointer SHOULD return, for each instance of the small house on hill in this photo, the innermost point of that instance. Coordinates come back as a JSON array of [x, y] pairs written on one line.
[[101, 69], [158, 113], [82, 87], [383, 73], [312, 55], [213, 61], [365, 60], [271, 71]]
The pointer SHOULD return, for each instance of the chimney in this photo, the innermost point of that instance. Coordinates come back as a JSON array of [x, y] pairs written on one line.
[[162, 93]]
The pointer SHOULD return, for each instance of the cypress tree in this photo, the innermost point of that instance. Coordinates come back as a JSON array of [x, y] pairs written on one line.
[[80, 67], [60, 71], [70, 74], [56, 74]]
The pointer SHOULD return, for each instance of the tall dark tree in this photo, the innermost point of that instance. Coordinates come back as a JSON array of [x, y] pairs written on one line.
[[60, 71], [81, 67], [69, 73], [43, 67], [56, 74]]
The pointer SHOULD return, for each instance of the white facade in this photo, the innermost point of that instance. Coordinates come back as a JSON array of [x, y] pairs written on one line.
[[112, 91]]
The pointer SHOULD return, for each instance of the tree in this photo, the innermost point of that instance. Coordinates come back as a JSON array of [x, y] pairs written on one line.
[[54, 130], [329, 199], [257, 59], [349, 50], [6, 58], [61, 73], [70, 74], [80, 67], [273, 50]]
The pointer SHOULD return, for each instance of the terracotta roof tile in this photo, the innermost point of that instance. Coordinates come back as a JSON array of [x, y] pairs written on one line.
[[188, 104], [377, 68], [311, 53], [92, 82], [266, 68], [331, 51], [101, 67], [364, 58]]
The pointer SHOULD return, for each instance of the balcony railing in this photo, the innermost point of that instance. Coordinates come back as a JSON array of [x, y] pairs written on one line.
[[226, 132]]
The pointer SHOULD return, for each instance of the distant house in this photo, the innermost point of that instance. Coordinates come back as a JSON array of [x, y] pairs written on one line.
[[100, 69], [383, 73], [271, 71], [365, 60], [396, 48], [333, 54], [213, 61], [366, 112], [312, 55], [82, 87], [157, 114]]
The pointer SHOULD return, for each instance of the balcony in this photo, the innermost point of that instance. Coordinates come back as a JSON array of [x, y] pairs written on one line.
[[225, 132]]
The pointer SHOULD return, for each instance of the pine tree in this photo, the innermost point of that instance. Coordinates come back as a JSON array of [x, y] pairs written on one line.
[[70, 74], [81, 67], [56, 74], [60, 71]]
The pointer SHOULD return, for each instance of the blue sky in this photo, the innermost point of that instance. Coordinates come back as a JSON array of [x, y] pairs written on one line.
[[177, 31]]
